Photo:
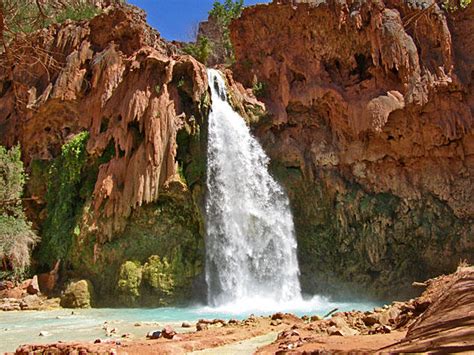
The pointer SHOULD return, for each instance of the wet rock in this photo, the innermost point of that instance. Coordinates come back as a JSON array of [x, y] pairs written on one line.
[[306, 78], [168, 332], [315, 318], [44, 333], [186, 325], [154, 334]]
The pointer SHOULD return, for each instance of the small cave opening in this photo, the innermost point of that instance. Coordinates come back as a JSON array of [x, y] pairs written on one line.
[[4, 87], [104, 124], [86, 85], [297, 78], [363, 64], [134, 129]]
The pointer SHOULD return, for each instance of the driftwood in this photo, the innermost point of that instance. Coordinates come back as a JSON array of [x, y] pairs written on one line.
[[331, 312]]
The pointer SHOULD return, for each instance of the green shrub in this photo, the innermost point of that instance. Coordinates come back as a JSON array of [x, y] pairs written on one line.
[[25, 16], [201, 51], [454, 5], [63, 198], [260, 89], [80, 11], [16, 235]]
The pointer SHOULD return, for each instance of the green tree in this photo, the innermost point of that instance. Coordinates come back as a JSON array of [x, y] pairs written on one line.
[[201, 50], [16, 235], [224, 13]]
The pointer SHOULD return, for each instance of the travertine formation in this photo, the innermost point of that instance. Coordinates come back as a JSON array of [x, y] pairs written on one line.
[[371, 129], [114, 77]]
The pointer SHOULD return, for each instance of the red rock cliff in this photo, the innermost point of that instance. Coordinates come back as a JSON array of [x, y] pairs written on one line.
[[371, 127], [114, 77]]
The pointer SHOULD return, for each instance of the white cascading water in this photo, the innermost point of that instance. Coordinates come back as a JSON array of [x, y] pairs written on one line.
[[250, 242]]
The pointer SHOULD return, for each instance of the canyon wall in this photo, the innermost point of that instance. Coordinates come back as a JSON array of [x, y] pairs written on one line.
[[109, 116], [368, 123], [370, 129]]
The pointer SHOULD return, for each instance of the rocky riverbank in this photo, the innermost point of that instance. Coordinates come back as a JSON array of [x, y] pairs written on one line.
[[441, 319], [25, 296]]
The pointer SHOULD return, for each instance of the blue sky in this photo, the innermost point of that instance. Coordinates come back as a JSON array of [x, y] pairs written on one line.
[[177, 19]]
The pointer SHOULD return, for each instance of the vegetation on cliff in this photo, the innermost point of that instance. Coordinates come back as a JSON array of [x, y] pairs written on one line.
[[25, 16], [217, 43], [16, 235], [64, 201]]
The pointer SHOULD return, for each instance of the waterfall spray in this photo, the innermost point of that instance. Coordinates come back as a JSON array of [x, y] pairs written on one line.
[[250, 241]]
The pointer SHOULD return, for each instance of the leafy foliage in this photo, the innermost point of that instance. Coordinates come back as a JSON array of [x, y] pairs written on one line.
[[224, 13], [227, 11], [260, 89], [454, 5], [64, 198], [201, 50], [16, 235], [25, 16]]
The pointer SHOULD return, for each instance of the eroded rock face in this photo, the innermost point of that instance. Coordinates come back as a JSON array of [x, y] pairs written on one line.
[[116, 78], [371, 133]]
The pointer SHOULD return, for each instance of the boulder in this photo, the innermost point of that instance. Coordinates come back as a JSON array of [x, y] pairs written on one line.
[[168, 332], [186, 325], [201, 326], [278, 315], [155, 334], [33, 287], [371, 319], [31, 302], [78, 294], [340, 327]]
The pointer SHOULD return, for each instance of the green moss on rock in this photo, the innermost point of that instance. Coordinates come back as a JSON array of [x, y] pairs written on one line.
[[78, 294], [352, 242], [162, 239], [129, 281]]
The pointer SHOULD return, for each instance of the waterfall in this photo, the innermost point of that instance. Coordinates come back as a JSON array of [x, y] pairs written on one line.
[[250, 241]]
